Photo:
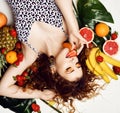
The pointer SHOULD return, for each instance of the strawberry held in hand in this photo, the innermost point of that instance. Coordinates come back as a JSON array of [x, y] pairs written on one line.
[[72, 53]]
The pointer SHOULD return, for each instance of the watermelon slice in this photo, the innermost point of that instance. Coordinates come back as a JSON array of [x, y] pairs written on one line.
[[87, 34], [110, 47]]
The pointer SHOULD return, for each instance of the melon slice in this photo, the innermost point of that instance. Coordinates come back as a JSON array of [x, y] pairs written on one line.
[[110, 47], [87, 34]]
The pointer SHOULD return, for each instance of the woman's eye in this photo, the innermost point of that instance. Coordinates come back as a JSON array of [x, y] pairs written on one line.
[[69, 70], [78, 65]]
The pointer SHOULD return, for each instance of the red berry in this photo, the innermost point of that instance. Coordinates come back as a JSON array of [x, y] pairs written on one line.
[[13, 33], [99, 58], [34, 68], [91, 45], [17, 63], [35, 107], [20, 83], [25, 74], [114, 35], [18, 45], [23, 78], [20, 56], [3, 51], [116, 70], [19, 78]]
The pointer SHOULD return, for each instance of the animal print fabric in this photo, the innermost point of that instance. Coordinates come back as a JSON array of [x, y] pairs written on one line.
[[26, 12]]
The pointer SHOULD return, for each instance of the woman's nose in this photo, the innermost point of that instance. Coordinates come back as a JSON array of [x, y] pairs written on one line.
[[73, 59]]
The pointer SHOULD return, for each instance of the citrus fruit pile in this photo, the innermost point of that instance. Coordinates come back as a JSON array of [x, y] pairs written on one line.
[[100, 56], [102, 34]]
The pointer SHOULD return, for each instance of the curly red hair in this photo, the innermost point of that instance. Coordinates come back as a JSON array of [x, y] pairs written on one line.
[[45, 79]]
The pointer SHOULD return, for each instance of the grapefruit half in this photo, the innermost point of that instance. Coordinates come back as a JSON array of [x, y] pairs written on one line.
[[110, 47], [87, 34]]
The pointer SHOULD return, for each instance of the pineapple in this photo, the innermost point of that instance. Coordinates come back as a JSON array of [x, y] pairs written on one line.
[[2, 63], [7, 40]]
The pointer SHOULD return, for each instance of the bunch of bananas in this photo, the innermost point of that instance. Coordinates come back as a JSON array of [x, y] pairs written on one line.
[[99, 63]]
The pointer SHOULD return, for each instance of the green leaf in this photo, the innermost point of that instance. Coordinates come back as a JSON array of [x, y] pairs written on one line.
[[99, 41], [17, 105], [89, 12]]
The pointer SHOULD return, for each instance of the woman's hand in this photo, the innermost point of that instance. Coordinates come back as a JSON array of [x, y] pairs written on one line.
[[76, 40]]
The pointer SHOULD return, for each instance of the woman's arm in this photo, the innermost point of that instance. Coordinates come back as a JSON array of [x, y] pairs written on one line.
[[72, 25], [7, 83]]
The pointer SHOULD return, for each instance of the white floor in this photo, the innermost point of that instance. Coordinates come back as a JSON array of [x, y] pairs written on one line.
[[108, 101]]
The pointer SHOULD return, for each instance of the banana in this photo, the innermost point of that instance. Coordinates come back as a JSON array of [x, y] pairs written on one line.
[[108, 70], [104, 76], [92, 60], [95, 65], [91, 68], [110, 60]]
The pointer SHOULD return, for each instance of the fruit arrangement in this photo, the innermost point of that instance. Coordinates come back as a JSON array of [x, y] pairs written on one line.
[[10, 48], [100, 58], [98, 63], [11, 54], [101, 42]]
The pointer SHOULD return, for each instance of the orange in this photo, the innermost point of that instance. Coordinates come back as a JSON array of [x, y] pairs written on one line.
[[11, 57], [67, 45], [102, 29], [3, 19]]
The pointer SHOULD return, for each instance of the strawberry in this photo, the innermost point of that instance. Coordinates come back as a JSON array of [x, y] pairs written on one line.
[[13, 33], [20, 83], [35, 107], [91, 45], [19, 78], [20, 56], [17, 63], [116, 70], [34, 68], [99, 58], [114, 35], [18, 45], [3, 51], [25, 73], [72, 53]]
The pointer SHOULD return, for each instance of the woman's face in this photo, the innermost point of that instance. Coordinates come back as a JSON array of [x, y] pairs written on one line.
[[68, 68]]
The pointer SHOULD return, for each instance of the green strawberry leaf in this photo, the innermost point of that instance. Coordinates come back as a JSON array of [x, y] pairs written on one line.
[[88, 12]]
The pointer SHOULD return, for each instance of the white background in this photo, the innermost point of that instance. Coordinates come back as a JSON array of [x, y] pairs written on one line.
[[109, 99]]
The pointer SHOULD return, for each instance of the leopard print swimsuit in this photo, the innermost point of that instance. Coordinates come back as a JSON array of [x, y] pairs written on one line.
[[26, 12]]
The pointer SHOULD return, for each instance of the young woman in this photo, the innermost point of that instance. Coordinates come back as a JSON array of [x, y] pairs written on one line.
[[42, 27]]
